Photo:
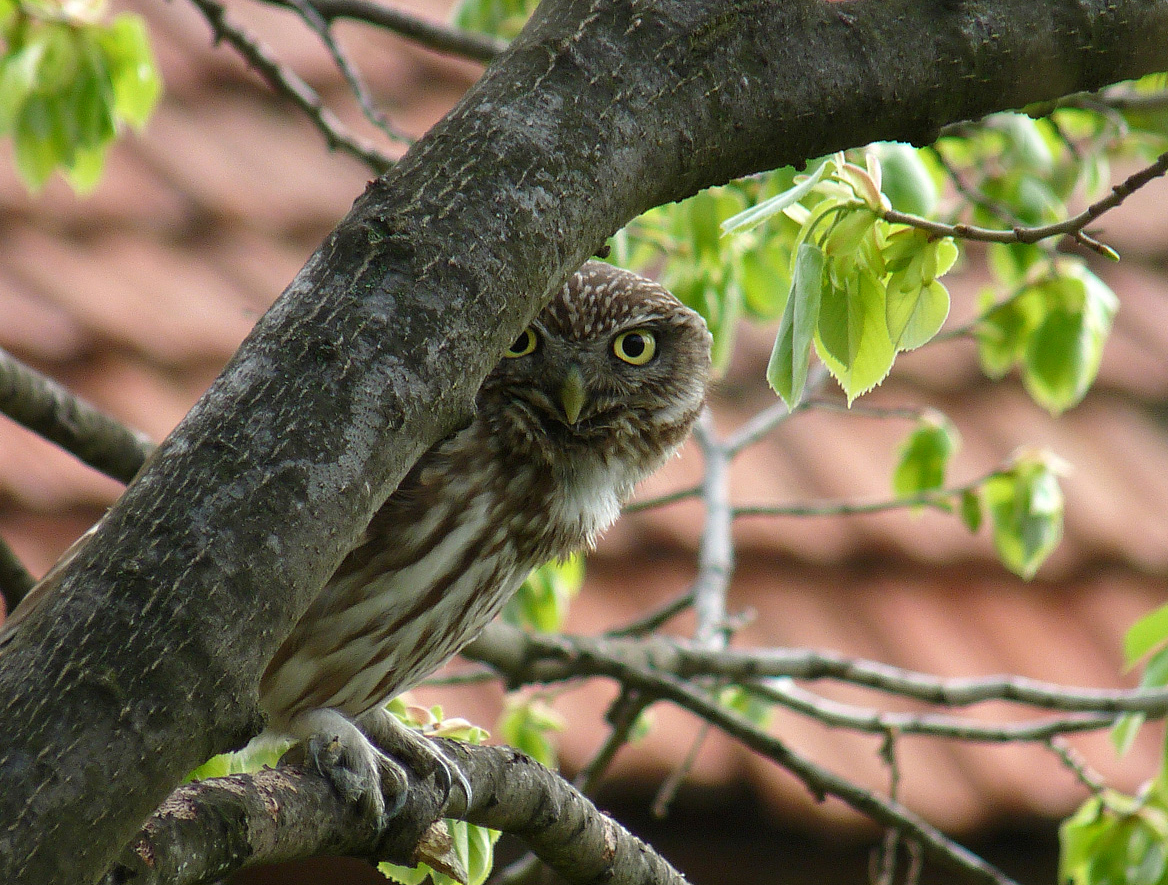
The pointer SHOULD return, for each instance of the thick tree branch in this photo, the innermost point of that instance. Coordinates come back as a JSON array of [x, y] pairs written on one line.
[[210, 829], [142, 657]]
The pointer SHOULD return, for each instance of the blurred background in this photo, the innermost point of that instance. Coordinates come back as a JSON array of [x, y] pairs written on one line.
[[135, 295]]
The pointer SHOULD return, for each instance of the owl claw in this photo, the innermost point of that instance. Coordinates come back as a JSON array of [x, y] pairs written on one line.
[[362, 775], [368, 775], [418, 752]]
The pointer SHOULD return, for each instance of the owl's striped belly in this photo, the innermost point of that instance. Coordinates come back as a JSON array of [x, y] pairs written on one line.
[[375, 632]]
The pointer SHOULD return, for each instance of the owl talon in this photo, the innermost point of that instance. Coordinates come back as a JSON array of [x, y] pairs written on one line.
[[361, 774], [417, 751]]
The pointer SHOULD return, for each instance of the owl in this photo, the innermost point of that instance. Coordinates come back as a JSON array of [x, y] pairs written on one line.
[[589, 400]]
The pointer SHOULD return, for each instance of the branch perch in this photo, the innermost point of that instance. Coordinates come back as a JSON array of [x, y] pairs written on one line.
[[212, 828]]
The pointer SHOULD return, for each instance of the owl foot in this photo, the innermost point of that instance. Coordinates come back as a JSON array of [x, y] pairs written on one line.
[[421, 754], [362, 775]]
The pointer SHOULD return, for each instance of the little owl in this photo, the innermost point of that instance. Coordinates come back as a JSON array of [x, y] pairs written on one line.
[[591, 398]]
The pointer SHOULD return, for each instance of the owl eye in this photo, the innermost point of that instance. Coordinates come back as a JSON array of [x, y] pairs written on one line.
[[523, 345], [636, 347]]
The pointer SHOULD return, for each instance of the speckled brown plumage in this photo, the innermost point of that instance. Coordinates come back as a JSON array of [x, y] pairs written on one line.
[[561, 436]]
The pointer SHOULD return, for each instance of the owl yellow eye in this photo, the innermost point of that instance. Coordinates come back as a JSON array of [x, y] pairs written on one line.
[[523, 345], [636, 347]]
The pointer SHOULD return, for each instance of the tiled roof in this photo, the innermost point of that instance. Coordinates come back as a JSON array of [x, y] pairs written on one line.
[[136, 295]]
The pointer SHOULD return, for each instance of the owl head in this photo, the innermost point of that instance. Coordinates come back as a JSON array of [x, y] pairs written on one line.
[[614, 366]]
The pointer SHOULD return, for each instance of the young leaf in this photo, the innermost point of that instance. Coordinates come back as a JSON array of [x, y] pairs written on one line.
[[787, 370], [971, 510], [852, 335], [924, 456], [1063, 353], [1026, 511], [133, 70], [914, 317], [756, 215], [1004, 332], [1145, 635], [905, 179]]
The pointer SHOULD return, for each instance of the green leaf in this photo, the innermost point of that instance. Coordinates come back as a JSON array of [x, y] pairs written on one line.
[[1124, 732], [499, 18], [787, 370], [915, 317], [852, 335], [1145, 636], [906, 180], [747, 704], [541, 603], [1012, 262], [527, 724], [1026, 511], [133, 71], [1063, 353], [1003, 332], [18, 73], [971, 510], [40, 140], [847, 233], [1155, 675], [924, 456], [1024, 143], [756, 215], [765, 281]]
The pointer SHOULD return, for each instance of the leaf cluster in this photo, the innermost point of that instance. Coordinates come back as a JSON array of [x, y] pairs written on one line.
[[68, 83]]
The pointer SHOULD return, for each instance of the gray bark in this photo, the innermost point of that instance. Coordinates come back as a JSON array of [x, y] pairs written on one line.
[[142, 657]]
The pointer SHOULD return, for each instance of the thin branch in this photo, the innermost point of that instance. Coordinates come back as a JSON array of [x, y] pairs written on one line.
[[15, 579], [940, 500], [476, 47], [716, 550], [320, 26], [819, 781], [542, 658], [1073, 762], [655, 619], [289, 84], [837, 715], [662, 500], [1073, 226], [755, 428], [52, 412]]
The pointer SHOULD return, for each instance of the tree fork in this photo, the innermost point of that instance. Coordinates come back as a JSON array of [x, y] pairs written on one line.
[[142, 657]]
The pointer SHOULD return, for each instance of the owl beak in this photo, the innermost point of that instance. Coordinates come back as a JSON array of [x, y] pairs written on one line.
[[572, 395]]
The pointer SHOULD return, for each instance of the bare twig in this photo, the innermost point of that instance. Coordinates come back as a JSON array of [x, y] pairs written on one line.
[[476, 47], [755, 428], [52, 412], [1075, 764], [525, 657], [662, 500], [622, 719], [716, 551], [839, 715], [319, 26], [655, 619], [1073, 226], [289, 84]]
